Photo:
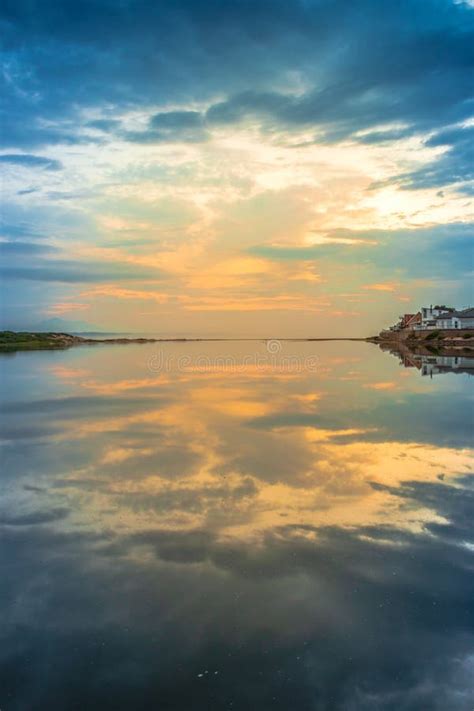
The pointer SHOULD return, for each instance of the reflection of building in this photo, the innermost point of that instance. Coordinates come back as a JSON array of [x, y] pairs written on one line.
[[437, 365], [432, 364], [411, 360]]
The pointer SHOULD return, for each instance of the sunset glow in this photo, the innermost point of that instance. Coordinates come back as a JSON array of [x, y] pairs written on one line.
[[247, 182]]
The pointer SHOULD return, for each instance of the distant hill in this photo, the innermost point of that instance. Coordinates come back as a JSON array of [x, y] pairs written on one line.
[[62, 325]]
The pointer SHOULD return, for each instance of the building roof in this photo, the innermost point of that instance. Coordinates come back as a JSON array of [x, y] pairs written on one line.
[[410, 317], [465, 313]]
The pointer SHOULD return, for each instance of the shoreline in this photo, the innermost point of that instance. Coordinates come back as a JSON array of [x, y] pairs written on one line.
[[419, 339], [12, 341]]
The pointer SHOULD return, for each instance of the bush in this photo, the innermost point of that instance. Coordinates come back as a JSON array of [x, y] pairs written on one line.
[[432, 335], [467, 335]]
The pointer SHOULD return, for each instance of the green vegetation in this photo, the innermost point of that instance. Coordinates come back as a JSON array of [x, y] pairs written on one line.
[[432, 335], [24, 341], [467, 335]]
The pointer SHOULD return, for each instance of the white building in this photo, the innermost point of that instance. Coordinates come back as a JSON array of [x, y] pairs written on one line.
[[456, 319], [429, 314], [445, 318]]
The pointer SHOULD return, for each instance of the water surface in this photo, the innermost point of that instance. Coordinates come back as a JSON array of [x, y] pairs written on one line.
[[195, 526]]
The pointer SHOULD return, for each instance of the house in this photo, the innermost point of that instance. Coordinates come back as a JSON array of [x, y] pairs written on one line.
[[456, 319], [407, 321], [429, 314], [410, 320], [440, 318]]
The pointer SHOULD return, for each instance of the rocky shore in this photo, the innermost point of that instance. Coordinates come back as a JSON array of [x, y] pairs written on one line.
[[426, 341]]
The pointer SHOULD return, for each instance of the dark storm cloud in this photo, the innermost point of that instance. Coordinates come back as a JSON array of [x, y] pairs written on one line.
[[363, 64], [35, 518], [128, 55], [27, 160]]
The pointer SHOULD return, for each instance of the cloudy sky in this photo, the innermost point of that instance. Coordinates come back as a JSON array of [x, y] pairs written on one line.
[[254, 167]]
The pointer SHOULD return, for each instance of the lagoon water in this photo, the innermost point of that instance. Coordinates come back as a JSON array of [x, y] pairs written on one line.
[[244, 526]]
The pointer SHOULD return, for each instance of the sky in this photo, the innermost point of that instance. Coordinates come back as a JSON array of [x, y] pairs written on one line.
[[235, 168]]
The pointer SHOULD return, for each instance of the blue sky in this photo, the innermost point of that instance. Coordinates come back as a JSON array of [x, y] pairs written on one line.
[[224, 168]]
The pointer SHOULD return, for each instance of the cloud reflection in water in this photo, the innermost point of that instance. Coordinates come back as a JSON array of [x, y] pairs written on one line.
[[305, 536]]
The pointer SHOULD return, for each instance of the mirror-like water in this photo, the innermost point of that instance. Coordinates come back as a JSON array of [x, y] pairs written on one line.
[[194, 526]]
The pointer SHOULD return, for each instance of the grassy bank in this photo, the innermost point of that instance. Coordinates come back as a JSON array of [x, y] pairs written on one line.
[[25, 341]]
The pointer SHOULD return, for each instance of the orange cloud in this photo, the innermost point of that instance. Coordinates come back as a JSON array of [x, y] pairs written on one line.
[[382, 286], [382, 386], [284, 302], [119, 292], [341, 313], [65, 373], [223, 302]]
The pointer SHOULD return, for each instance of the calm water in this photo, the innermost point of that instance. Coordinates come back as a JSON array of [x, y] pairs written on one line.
[[236, 526]]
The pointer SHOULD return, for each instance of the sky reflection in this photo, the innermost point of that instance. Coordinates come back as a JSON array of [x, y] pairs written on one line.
[[246, 538]]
